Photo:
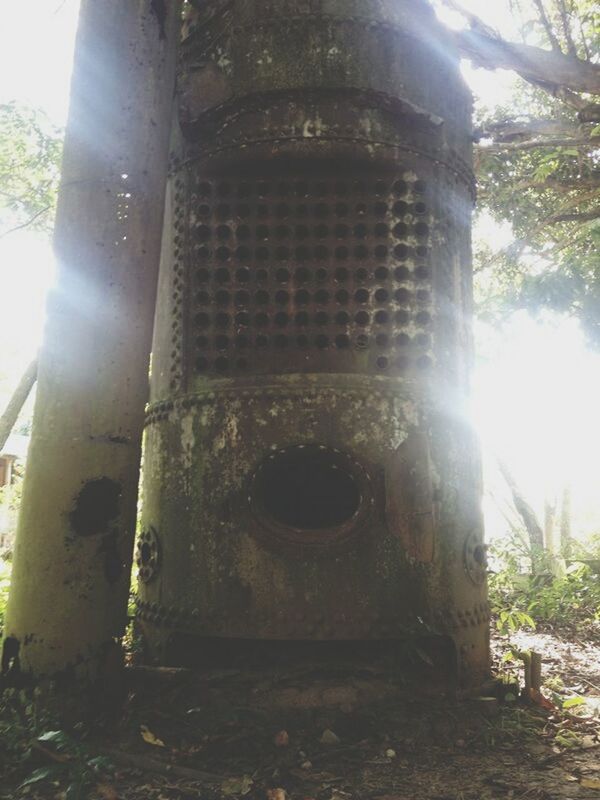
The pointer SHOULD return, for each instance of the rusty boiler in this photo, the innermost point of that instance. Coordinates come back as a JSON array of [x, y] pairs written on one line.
[[309, 472]]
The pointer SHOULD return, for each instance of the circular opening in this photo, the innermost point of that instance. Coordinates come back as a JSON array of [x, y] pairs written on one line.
[[307, 489], [145, 554]]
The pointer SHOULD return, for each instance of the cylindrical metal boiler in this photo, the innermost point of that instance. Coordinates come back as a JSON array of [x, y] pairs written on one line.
[[309, 471]]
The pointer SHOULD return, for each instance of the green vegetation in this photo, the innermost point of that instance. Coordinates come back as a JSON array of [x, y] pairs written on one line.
[[33, 752], [538, 169], [4, 586], [30, 153], [519, 599]]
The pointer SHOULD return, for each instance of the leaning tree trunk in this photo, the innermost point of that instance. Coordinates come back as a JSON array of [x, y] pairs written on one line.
[[16, 402], [75, 535], [534, 530]]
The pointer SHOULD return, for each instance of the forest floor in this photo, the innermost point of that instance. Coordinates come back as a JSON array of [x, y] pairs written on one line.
[[337, 735]]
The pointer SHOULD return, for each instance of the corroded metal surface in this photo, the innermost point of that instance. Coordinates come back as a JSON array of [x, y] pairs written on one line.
[[308, 470]]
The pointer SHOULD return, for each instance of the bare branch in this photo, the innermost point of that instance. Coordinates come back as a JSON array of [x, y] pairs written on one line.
[[516, 246], [549, 68], [532, 63], [507, 129], [584, 216], [547, 26], [564, 19], [534, 144], [566, 96], [555, 184], [586, 48], [25, 224]]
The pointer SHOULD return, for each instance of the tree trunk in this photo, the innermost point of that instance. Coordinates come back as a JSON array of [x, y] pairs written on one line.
[[565, 521], [549, 524], [530, 521], [16, 402], [73, 551], [553, 556]]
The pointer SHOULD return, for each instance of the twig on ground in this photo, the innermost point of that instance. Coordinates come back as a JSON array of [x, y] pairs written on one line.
[[148, 764]]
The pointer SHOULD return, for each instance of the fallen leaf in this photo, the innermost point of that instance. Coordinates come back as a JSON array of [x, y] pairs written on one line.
[[329, 737], [281, 739], [234, 786], [538, 698], [590, 783], [149, 737], [107, 792], [588, 742]]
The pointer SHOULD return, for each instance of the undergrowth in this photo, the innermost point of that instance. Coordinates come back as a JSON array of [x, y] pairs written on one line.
[[558, 593]]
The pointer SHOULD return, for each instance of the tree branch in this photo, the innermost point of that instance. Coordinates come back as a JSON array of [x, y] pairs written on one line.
[[547, 26], [586, 48], [17, 401], [583, 216], [564, 19], [506, 129], [556, 184], [549, 68], [533, 144], [25, 224], [527, 514], [516, 246]]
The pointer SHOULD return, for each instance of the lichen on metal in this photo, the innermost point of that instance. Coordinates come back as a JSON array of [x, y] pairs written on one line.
[[309, 471]]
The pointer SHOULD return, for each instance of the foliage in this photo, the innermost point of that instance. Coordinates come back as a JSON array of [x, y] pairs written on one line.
[[550, 197], [21, 720], [10, 499], [4, 587], [538, 164], [10, 496], [576, 596], [33, 747], [522, 600], [30, 153]]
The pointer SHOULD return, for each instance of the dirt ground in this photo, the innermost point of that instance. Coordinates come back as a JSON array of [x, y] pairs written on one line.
[[340, 735]]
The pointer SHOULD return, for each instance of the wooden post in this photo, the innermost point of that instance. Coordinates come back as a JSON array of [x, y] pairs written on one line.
[[73, 551]]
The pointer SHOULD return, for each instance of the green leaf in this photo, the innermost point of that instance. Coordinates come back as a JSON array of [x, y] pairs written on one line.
[[60, 739], [101, 764], [74, 791], [571, 702], [38, 775]]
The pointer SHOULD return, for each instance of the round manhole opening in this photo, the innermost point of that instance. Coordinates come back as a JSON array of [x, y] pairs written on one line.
[[307, 488]]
